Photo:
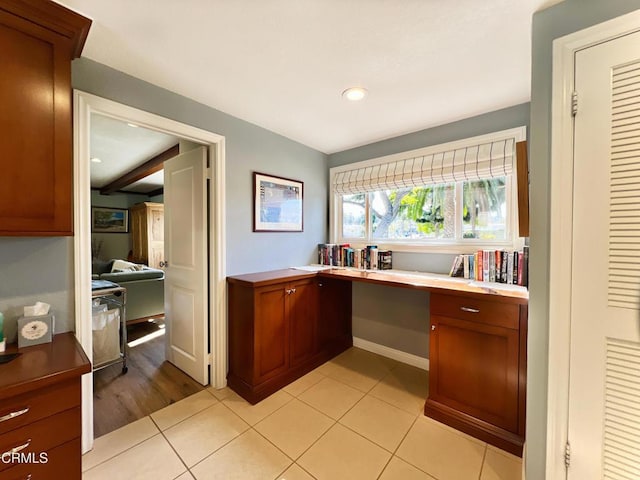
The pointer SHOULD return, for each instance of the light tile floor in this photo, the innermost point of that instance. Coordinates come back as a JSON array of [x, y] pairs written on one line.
[[358, 416]]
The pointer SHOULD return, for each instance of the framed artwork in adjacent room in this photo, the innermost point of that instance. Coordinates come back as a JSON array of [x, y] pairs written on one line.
[[109, 220], [277, 204]]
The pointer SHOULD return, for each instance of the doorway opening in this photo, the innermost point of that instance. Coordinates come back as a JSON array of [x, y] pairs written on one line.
[[86, 105], [128, 249]]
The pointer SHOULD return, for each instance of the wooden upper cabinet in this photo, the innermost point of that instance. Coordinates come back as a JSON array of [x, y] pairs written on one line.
[[38, 40]]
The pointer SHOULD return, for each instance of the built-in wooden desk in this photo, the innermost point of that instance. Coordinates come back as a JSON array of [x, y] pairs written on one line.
[[284, 323]]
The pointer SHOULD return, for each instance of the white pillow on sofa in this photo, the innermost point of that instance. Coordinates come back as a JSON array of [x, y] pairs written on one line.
[[124, 266]]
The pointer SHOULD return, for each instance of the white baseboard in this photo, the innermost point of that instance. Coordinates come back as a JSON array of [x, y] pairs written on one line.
[[392, 353]]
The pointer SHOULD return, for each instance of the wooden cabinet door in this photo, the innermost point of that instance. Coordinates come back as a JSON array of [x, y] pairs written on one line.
[[474, 369], [156, 235], [38, 40], [334, 321], [303, 314], [138, 234], [271, 336], [35, 125]]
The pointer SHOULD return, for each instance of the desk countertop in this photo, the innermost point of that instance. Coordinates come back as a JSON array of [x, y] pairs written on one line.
[[394, 278]]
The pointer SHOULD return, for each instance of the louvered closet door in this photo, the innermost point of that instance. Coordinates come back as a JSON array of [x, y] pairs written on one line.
[[604, 418]]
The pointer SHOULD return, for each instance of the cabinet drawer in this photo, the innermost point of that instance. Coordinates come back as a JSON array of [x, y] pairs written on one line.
[[466, 308], [42, 435], [63, 462], [27, 408]]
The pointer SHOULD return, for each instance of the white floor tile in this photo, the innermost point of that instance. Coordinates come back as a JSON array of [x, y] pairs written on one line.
[[343, 454], [153, 459], [118, 441], [294, 428], [176, 412], [202, 434], [248, 457]]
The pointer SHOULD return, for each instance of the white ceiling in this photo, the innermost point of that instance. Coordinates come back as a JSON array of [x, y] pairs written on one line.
[[121, 148], [282, 64]]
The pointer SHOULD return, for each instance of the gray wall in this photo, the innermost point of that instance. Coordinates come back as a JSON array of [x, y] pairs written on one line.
[[36, 269], [395, 317], [114, 245], [557, 21], [42, 268], [248, 148], [504, 119]]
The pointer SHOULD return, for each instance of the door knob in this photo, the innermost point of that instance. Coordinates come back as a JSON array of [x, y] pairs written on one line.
[[433, 327]]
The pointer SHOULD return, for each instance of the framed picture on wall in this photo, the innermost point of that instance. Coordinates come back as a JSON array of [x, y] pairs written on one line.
[[277, 204], [109, 220]]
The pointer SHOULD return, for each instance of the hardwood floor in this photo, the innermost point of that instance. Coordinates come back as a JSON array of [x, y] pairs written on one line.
[[150, 384]]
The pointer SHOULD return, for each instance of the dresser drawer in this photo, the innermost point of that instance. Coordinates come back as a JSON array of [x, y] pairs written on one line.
[[30, 407], [41, 436], [466, 308], [63, 462]]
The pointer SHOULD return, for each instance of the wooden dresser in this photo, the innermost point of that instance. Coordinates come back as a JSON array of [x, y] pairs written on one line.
[[40, 419]]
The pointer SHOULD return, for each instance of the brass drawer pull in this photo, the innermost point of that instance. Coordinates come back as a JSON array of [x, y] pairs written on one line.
[[470, 310], [17, 449], [15, 414]]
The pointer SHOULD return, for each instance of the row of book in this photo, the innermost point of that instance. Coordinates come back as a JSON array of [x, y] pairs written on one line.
[[344, 255], [499, 266]]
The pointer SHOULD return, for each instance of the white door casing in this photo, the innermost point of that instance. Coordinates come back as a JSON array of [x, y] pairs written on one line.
[[84, 105], [604, 414], [185, 282]]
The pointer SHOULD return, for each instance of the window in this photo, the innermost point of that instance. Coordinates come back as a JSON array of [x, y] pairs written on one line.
[[448, 197]]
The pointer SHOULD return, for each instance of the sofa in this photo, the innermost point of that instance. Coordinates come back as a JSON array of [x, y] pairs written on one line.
[[145, 287]]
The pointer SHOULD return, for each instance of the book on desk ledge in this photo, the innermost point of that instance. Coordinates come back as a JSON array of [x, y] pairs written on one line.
[[369, 257], [500, 266]]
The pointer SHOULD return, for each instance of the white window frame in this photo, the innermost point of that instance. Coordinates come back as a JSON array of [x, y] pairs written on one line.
[[455, 246]]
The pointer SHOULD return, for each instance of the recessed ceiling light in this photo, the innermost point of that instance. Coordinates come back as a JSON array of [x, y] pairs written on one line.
[[354, 93], [132, 125], [96, 160]]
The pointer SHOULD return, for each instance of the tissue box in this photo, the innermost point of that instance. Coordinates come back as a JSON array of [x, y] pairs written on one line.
[[35, 330]]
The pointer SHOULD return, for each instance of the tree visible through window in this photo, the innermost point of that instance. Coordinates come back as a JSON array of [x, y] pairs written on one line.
[[419, 212], [485, 209], [429, 212]]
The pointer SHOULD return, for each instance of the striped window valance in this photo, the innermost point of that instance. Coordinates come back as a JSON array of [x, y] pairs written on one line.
[[475, 161]]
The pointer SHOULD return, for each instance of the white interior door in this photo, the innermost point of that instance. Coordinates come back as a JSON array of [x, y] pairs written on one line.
[[186, 273], [604, 391]]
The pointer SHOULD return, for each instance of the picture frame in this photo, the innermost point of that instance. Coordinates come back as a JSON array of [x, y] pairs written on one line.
[[277, 204], [109, 220]]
